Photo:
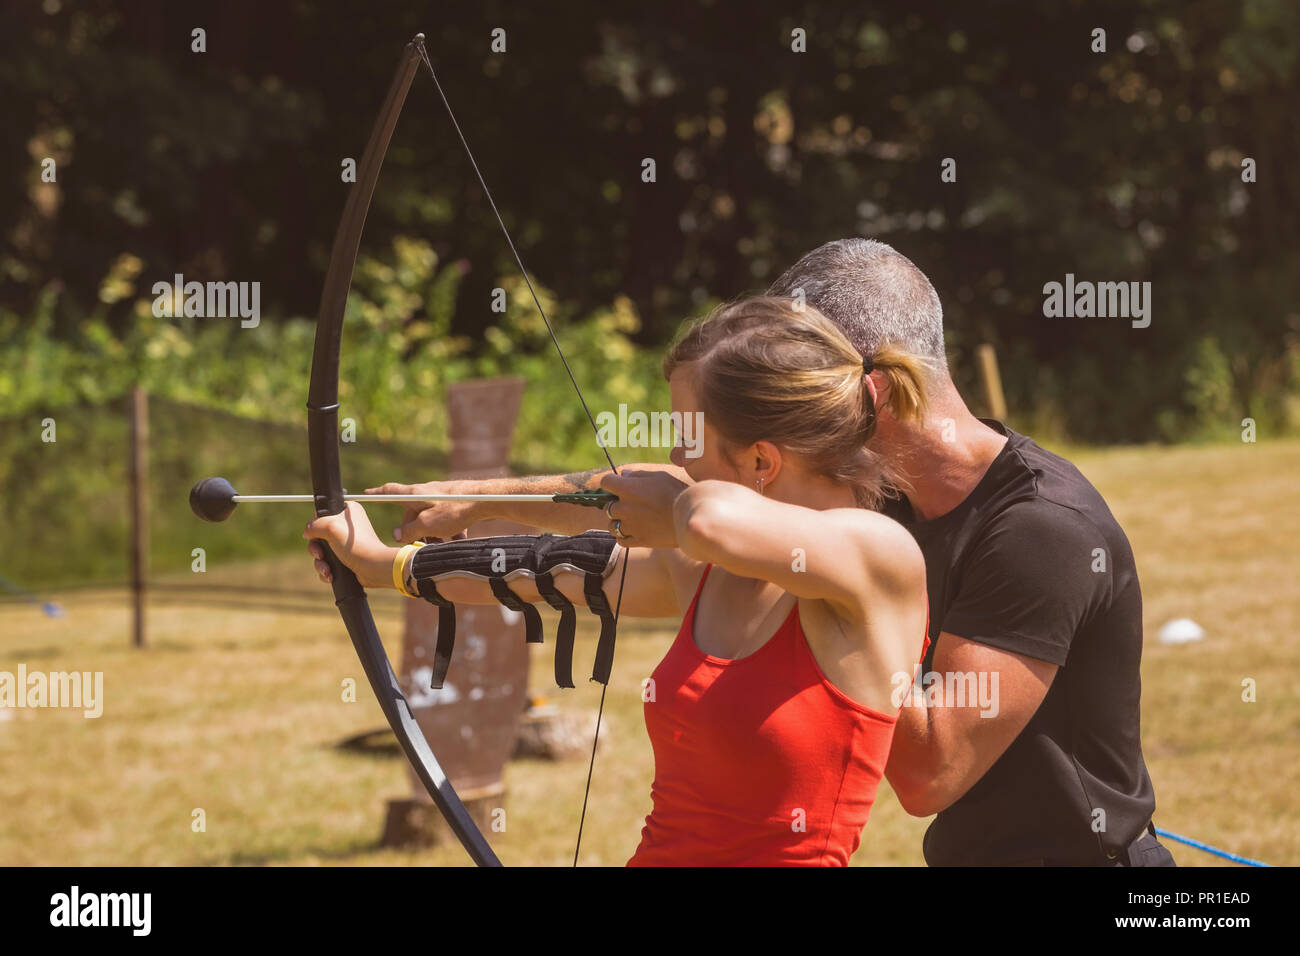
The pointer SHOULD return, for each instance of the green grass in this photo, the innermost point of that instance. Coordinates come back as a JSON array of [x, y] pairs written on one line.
[[237, 713]]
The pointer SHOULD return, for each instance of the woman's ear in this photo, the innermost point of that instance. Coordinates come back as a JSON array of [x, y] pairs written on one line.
[[767, 463]]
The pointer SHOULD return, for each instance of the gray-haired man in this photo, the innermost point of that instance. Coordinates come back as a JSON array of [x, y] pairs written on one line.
[[1034, 596]]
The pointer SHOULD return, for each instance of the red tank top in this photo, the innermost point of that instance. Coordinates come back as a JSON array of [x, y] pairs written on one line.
[[759, 761]]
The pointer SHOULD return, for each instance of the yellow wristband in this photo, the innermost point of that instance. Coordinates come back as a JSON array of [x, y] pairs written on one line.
[[399, 566]]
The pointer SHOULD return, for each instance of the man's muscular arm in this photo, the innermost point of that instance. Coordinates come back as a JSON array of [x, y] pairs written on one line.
[[1030, 581], [941, 752], [445, 519]]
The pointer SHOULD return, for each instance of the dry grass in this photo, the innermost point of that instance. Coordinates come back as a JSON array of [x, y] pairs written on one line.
[[238, 713]]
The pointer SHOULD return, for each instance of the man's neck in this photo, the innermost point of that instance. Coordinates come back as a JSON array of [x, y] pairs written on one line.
[[943, 460]]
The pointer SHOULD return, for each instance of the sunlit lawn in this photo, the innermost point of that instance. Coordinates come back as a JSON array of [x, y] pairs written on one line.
[[237, 713]]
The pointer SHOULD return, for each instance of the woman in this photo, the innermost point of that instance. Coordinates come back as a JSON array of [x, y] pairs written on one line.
[[772, 714]]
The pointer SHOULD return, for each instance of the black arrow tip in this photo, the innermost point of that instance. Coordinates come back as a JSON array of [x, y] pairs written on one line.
[[213, 499]]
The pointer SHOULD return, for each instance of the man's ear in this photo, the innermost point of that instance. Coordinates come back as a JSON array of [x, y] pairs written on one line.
[[878, 390]]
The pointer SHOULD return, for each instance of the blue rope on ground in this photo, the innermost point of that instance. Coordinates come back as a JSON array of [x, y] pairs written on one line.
[[1211, 849]]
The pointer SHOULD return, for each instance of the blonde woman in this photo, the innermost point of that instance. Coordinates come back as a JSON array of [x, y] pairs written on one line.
[[772, 713]]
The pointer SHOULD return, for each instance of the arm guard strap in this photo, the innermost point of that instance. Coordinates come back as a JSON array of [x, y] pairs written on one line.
[[498, 560]]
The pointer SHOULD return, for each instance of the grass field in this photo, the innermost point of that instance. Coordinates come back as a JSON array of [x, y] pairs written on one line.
[[237, 712]]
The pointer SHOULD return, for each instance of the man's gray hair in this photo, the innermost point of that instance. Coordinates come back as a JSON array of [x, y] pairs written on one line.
[[873, 293]]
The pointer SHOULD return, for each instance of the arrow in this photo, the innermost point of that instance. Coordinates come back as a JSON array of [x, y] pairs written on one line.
[[214, 499]]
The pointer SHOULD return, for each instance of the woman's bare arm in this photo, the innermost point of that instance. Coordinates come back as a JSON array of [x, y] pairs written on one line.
[[850, 557]]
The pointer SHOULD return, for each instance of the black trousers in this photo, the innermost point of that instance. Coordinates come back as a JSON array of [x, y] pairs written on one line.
[[1146, 850]]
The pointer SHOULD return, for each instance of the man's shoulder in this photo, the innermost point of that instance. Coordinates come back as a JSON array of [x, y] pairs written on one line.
[[1048, 487], [1042, 518]]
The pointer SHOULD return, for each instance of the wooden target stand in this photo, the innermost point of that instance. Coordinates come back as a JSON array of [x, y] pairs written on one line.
[[472, 721]]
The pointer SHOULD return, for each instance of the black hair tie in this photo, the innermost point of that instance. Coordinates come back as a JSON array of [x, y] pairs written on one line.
[[867, 365]]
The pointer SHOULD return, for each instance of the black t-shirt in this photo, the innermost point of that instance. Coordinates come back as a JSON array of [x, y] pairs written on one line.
[[1034, 563]]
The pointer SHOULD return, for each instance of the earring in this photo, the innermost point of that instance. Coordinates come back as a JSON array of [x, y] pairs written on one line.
[[759, 485]]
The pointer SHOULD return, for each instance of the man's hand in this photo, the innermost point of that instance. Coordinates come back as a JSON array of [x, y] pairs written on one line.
[[437, 519]]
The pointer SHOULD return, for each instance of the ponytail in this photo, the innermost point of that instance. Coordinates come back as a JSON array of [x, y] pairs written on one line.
[[767, 370]]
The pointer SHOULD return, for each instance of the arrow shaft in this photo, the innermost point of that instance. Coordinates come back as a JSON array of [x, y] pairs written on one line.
[[271, 499]]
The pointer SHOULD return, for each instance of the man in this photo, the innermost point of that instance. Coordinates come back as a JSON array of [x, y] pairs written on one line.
[[1033, 595], [1034, 600]]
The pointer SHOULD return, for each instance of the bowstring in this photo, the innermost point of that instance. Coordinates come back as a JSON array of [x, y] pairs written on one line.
[[523, 270], [591, 764]]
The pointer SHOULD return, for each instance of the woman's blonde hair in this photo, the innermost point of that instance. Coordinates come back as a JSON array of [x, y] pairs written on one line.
[[767, 368]]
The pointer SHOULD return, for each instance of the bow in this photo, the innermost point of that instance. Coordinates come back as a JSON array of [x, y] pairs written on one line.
[[326, 476]]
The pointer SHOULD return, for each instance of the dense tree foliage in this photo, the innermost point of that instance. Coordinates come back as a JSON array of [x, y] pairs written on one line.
[[1122, 165]]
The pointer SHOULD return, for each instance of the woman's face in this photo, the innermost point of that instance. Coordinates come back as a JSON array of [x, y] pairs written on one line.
[[703, 460]]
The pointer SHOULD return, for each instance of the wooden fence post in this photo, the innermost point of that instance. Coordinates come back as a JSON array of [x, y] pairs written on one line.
[[138, 416], [994, 400]]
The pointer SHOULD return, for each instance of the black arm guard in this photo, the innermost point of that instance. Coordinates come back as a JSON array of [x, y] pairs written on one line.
[[500, 559]]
